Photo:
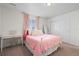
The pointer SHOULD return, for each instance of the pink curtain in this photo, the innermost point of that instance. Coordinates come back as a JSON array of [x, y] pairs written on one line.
[[25, 26]]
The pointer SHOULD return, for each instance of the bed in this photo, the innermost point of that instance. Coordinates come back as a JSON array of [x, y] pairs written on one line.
[[42, 45]]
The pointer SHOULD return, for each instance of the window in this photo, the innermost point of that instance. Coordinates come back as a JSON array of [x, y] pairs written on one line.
[[32, 24]]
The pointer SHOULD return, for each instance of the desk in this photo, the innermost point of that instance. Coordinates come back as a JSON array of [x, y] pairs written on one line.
[[6, 38]]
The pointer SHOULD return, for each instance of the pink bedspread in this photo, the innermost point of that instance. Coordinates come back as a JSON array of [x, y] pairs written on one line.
[[42, 43]]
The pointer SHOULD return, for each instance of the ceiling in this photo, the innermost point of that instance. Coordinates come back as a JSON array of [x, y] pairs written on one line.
[[41, 9]]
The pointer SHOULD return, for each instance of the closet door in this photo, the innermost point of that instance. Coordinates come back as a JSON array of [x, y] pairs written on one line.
[[0, 19], [75, 28], [0, 25], [61, 26]]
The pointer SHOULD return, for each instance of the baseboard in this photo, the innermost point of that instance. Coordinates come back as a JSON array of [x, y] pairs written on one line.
[[72, 45]]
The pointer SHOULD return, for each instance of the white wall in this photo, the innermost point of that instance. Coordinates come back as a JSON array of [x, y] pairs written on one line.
[[0, 18], [12, 20], [66, 26]]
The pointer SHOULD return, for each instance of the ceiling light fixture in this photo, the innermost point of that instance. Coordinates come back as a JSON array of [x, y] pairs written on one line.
[[48, 4]]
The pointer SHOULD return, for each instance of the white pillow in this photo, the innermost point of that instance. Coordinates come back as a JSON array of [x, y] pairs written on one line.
[[37, 32]]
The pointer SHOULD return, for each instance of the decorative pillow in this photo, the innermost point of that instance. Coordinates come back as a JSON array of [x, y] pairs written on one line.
[[37, 32], [29, 31], [25, 34]]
